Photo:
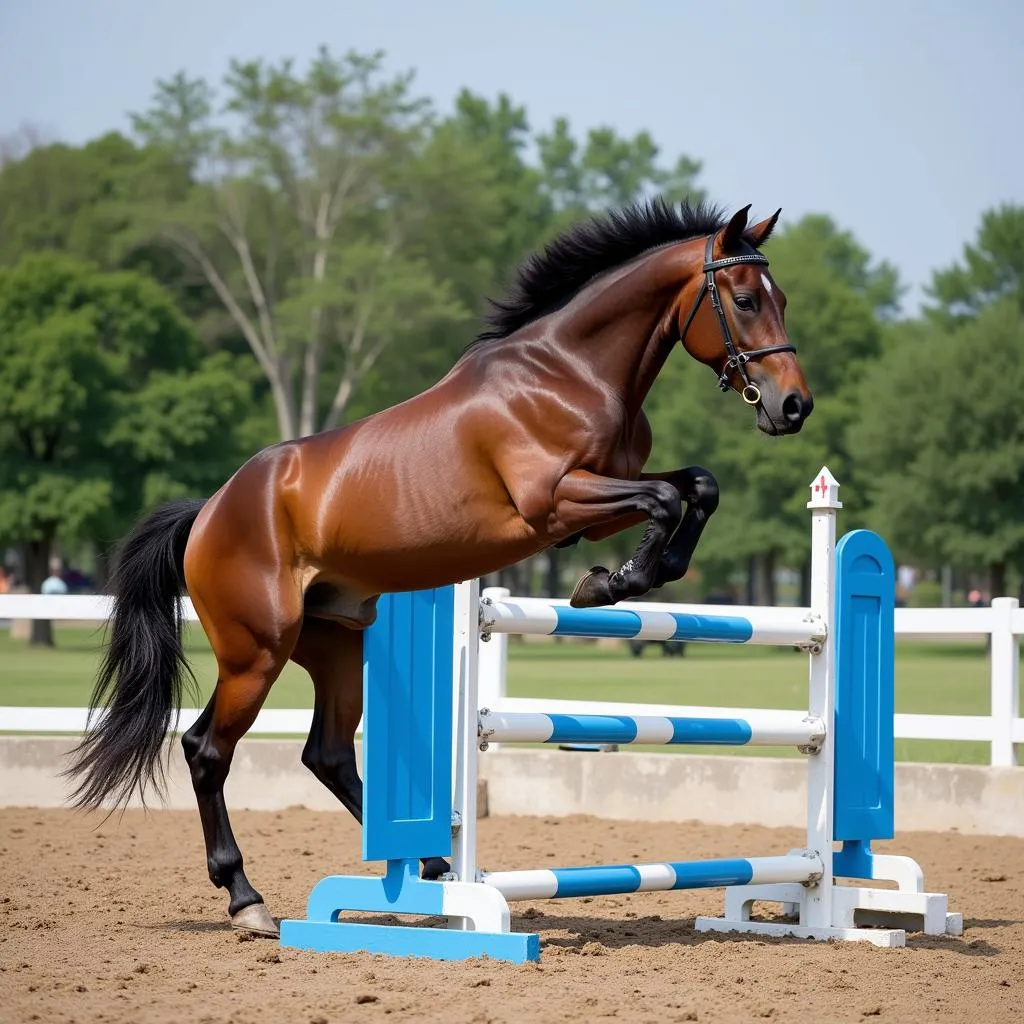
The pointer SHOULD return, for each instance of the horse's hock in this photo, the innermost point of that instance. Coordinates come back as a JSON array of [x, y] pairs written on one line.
[[415, 810]]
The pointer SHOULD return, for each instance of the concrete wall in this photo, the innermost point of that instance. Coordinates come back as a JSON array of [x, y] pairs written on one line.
[[267, 775], [740, 790]]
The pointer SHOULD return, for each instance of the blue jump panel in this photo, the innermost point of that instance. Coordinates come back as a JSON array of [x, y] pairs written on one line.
[[865, 683], [407, 723]]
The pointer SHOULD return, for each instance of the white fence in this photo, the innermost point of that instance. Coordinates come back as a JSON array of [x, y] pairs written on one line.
[[1002, 728]]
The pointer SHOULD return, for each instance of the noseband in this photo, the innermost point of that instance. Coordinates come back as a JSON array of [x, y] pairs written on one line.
[[735, 360]]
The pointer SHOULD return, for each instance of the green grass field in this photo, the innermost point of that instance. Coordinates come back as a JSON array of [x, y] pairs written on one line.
[[931, 678]]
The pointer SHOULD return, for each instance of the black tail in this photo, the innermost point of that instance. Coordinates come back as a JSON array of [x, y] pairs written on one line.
[[144, 668]]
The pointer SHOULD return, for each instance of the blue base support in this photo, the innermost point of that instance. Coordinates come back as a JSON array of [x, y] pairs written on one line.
[[431, 943], [400, 891]]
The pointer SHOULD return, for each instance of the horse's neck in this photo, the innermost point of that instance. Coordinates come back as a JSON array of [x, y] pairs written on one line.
[[617, 327]]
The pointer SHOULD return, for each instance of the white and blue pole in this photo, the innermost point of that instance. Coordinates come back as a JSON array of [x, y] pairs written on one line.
[[614, 879], [773, 728], [779, 627]]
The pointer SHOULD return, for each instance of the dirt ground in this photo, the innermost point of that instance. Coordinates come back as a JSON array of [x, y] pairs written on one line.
[[117, 922]]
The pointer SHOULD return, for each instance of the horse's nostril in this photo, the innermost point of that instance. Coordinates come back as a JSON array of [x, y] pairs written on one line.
[[793, 407]]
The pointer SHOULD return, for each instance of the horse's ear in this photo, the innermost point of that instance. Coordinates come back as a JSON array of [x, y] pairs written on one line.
[[760, 233], [732, 236]]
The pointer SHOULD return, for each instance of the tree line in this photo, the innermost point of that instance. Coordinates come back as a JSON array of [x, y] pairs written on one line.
[[295, 247]]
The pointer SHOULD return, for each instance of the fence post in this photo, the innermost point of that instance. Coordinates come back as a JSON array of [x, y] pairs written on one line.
[[1005, 669], [824, 506]]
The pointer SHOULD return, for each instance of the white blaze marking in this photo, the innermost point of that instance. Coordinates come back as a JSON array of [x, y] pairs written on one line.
[[767, 284]]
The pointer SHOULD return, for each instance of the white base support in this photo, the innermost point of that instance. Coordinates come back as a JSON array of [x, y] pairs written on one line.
[[475, 908], [859, 914], [926, 912], [888, 937]]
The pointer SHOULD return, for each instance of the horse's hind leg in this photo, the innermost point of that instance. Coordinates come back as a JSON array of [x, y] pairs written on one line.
[[251, 652], [333, 656]]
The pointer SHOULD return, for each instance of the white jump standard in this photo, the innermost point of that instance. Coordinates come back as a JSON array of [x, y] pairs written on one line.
[[423, 727]]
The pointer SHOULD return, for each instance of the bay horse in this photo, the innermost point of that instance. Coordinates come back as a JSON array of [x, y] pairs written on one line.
[[536, 437]]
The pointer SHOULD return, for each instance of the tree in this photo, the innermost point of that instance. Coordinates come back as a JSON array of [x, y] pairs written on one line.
[[942, 432], [106, 405], [297, 222], [15, 145], [83, 200], [500, 132], [474, 239], [992, 269], [608, 171]]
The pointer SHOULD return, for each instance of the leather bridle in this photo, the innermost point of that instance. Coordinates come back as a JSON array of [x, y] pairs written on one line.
[[735, 360]]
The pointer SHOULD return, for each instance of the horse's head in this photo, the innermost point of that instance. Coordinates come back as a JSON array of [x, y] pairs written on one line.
[[735, 324]]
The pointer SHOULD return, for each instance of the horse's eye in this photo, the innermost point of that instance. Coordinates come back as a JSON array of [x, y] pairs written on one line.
[[744, 302]]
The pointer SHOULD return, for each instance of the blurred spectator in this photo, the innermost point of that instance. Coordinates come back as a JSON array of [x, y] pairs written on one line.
[[77, 581], [53, 584]]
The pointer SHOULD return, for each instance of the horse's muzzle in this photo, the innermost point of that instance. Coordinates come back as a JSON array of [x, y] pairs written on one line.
[[787, 416]]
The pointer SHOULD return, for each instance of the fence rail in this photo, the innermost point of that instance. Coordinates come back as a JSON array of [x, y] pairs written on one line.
[[1002, 728]]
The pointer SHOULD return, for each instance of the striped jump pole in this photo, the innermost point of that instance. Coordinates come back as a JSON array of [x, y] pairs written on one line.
[[776, 627], [618, 879], [770, 730]]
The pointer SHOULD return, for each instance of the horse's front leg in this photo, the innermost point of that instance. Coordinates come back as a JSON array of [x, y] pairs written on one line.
[[584, 500], [699, 490]]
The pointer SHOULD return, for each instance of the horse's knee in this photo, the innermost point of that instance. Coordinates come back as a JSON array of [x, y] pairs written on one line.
[[665, 502], [703, 491]]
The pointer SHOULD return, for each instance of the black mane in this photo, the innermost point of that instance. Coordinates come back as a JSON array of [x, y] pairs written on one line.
[[549, 279]]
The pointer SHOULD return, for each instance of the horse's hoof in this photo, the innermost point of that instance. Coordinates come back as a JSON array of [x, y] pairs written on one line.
[[255, 918], [594, 589]]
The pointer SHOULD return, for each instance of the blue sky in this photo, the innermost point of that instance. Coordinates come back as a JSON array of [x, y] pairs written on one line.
[[901, 119]]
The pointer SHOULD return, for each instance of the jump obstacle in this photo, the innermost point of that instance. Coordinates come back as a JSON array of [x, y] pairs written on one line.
[[423, 726]]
